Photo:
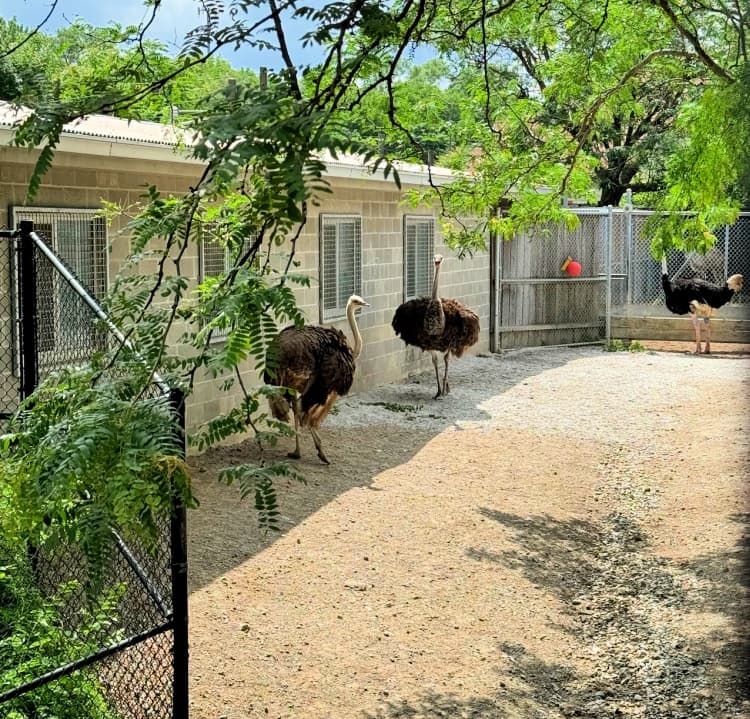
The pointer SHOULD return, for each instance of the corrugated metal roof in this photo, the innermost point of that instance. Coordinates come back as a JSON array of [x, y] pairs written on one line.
[[141, 132], [105, 126]]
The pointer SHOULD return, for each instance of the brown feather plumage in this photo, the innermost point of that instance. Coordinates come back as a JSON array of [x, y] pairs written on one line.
[[460, 331], [318, 364]]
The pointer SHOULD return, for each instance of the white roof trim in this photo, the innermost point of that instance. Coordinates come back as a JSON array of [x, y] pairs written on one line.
[[104, 135]]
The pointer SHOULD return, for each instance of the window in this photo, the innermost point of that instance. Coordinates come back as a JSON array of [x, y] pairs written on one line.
[[215, 258], [419, 250], [67, 332], [340, 263]]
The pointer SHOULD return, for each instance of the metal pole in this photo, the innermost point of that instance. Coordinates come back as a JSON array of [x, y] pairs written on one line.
[[629, 244], [726, 252], [608, 290], [29, 354], [178, 551], [493, 291]]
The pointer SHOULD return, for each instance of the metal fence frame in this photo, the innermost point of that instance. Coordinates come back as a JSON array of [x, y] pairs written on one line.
[[26, 250], [620, 264]]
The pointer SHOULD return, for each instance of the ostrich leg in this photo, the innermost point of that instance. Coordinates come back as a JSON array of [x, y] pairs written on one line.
[[296, 411], [446, 387], [707, 346], [437, 375], [697, 326], [318, 445]]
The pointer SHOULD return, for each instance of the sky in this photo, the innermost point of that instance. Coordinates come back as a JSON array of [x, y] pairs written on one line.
[[174, 19]]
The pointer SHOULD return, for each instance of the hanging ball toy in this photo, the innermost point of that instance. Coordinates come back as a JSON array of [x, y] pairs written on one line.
[[571, 267]]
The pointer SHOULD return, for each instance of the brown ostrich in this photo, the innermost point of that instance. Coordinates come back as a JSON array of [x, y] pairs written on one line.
[[437, 325], [318, 364], [699, 298]]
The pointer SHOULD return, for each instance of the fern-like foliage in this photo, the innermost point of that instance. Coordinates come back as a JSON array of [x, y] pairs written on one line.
[[258, 481], [84, 455]]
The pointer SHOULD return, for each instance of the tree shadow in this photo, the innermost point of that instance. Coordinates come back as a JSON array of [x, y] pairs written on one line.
[[369, 433], [646, 668], [633, 608], [530, 688]]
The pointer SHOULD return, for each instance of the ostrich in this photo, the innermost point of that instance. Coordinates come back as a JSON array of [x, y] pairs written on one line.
[[699, 298], [318, 364], [440, 326]]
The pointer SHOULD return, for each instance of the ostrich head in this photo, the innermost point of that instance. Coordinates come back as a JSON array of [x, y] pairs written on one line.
[[437, 259], [735, 283], [356, 302]]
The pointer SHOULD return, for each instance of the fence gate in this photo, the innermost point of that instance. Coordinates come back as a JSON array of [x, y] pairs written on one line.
[[132, 663]]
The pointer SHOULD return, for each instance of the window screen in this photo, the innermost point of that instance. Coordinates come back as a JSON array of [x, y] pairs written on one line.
[[419, 250], [341, 263], [67, 332]]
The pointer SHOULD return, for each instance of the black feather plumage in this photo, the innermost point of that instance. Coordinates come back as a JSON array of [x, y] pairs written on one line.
[[681, 293], [314, 361]]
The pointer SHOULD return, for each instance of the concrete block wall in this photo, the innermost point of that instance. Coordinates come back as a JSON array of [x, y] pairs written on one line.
[[78, 181]]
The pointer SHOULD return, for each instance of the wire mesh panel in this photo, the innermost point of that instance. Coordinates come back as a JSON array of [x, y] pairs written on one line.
[[419, 253], [730, 255], [9, 368], [68, 332], [112, 643], [537, 302], [126, 622], [341, 263]]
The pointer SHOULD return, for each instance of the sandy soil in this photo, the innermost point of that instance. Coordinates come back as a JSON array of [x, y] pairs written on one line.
[[565, 526]]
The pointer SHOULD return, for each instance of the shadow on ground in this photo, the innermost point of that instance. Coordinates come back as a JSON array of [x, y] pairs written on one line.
[[361, 439], [621, 597]]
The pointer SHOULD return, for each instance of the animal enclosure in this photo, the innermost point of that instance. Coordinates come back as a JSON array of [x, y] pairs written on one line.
[[536, 304]]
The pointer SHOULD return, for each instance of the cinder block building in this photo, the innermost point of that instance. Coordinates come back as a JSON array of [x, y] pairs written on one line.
[[362, 238]]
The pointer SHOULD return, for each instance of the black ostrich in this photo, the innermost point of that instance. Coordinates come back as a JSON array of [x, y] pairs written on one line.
[[437, 325], [318, 363], [699, 298]]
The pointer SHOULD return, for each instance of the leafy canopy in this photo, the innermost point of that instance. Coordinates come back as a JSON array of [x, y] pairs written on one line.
[[530, 102]]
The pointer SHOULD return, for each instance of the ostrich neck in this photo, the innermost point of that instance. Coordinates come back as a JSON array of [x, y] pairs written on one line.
[[435, 283], [355, 330]]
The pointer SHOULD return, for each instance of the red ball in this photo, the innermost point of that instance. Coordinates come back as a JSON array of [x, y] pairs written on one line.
[[573, 269]]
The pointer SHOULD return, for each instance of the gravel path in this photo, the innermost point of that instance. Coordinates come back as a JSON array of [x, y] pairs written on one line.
[[564, 535]]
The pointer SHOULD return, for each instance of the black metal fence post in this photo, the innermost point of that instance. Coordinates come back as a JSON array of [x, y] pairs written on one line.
[[29, 354], [180, 688]]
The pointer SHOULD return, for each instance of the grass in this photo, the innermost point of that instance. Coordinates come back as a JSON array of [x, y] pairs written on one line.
[[621, 346]]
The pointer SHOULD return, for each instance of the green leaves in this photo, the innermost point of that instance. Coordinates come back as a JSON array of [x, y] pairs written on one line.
[[257, 481], [82, 458]]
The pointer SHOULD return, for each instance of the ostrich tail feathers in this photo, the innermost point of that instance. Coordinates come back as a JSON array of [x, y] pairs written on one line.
[[702, 310]]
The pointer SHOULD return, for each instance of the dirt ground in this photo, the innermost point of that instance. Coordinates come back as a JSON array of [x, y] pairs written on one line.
[[564, 535]]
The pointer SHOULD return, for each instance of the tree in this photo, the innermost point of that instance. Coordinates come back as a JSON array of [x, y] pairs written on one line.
[[83, 58], [554, 88]]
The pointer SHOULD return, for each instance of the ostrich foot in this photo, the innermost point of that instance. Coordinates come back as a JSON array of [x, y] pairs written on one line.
[[322, 456], [697, 349], [293, 455], [707, 349]]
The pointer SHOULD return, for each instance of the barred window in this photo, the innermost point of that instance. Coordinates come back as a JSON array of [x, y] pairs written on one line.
[[340, 263], [419, 250], [79, 238], [214, 260]]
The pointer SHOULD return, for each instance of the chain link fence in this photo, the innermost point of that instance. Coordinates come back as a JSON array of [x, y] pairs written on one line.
[[120, 652], [538, 303], [730, 255]]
